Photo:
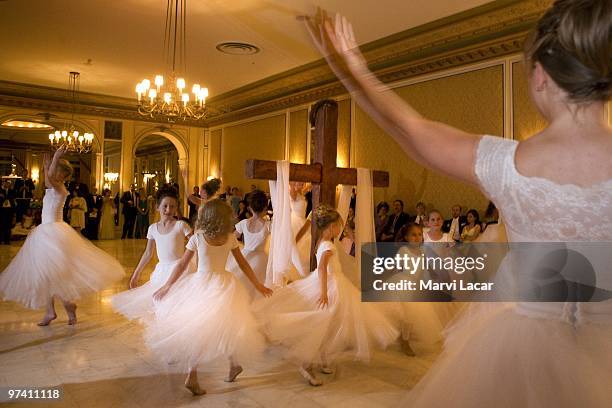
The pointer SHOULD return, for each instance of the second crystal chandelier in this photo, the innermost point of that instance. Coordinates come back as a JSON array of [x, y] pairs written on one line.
[[168, 97]]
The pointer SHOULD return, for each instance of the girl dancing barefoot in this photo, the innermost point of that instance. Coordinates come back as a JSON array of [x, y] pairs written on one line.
[[206, 315], [55, 260]]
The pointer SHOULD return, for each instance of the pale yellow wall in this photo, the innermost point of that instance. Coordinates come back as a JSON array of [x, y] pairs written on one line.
[[260, 139], [214, 148], [298, 136], [472, 101], [527, 120], [344, 133]]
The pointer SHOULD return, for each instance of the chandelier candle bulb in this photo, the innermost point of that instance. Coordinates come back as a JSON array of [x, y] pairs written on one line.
[[196, 90], [152, 94], [146, 84], [180, 84], [159, 81], [167, 97]]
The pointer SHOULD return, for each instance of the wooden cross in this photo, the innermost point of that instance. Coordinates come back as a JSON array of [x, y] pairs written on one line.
[[322, 173]]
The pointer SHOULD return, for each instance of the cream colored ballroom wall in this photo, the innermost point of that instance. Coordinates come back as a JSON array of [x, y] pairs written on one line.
[[472, 101], [488, 98]]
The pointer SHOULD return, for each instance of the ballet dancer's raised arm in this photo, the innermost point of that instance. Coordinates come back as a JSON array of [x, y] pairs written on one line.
[[438, 146]]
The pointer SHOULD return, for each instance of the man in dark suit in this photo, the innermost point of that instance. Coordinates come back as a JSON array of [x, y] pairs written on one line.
[[94, 205], [7, 210], [22, 201], [454, 225], [129, 211], [396, 221]]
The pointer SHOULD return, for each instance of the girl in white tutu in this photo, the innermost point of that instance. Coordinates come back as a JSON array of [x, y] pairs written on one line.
[[167, 238], [320, 316], [555, 186], [55, 260], [255, 231], [300, 226], [206, 315]]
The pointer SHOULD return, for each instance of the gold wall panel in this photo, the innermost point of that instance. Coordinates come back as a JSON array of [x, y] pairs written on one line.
[[527, 119], [261, 139], [471, 101], [344, 133], [298, 136], [214, 149]]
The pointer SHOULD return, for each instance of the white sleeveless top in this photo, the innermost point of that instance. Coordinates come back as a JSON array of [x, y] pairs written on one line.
[[53, 206]]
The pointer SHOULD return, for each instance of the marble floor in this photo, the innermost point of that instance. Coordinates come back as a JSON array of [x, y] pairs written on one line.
[[102, 362]]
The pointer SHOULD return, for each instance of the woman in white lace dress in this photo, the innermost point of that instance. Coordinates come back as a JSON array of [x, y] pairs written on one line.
[[554, 187]]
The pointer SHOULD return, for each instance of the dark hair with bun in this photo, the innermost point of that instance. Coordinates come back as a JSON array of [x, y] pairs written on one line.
[[573, 43], [211, 187], [166, 191], [258, 201]]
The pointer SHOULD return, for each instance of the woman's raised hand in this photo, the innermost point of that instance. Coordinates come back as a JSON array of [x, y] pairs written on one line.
[[335, 40]]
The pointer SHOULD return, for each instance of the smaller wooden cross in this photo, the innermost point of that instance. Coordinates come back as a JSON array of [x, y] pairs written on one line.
[[322, 173]]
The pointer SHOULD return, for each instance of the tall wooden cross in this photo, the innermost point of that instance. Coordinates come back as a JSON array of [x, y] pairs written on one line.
[[322, 173]]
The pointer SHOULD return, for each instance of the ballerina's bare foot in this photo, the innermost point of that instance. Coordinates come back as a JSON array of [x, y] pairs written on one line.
[[194, 387], [310, 377], [233, 373], [407, 348], [47, 319], [71, 311]]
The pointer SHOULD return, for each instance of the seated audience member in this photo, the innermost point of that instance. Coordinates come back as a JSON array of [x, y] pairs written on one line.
[[472, 228], [382, 216], [396, 221], [455, 225], [491, 216], [23, 228], [421, 216]]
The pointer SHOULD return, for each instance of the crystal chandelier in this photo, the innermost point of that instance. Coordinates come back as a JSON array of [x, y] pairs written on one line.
[[69, 137], [168, 97]]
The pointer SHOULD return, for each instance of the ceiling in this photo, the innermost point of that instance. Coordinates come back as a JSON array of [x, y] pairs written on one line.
[[115, 44]]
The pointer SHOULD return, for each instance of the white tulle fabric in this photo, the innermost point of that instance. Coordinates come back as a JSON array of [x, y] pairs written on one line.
[[529, 354], [255, 251], [137, 303], [283, 251], [292, 317], [206, 315], [300, 256], [55, 260]]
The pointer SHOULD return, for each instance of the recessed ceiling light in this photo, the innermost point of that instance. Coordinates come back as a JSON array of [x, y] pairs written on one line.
[[237, 48], [24, 124]]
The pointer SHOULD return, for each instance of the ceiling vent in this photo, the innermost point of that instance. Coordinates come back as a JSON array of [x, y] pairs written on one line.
[[237, 48]]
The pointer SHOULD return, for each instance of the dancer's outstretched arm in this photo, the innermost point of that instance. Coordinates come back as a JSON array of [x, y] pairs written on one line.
[[178, 270], [441, 147], [146, 257], [248, 271], [322, 270], [50, 180]]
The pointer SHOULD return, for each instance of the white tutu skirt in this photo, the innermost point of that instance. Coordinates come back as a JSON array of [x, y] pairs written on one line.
[[137, 303], [205, 316], [55, 260], [258, 260], [292, 318], [495, 357]]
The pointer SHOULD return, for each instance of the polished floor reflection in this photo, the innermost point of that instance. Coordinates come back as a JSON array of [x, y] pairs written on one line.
[[102, 362]]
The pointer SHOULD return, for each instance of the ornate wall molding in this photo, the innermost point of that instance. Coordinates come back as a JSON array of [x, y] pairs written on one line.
[[489, 31]]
